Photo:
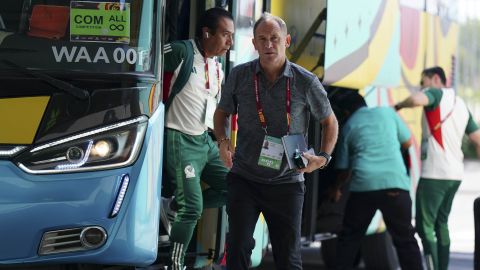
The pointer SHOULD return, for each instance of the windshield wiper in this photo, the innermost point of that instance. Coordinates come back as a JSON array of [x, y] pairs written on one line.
[[57, 83]]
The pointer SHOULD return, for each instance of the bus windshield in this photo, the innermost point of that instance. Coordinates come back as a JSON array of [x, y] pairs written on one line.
[[114, 36]]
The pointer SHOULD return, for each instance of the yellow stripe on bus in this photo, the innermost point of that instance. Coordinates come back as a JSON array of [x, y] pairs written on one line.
[[19, 119]]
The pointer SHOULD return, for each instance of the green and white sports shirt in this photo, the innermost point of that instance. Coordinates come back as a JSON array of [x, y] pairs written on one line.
[[187, 111], [446, 120]]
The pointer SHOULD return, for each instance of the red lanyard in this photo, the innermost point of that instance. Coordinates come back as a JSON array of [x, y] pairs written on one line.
[[261, 116], [207, 76]]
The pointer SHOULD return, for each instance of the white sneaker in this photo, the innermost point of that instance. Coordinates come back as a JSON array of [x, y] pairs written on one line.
[[167, 215]]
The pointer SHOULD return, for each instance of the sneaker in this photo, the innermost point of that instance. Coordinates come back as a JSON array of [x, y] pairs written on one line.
[[167, 214]]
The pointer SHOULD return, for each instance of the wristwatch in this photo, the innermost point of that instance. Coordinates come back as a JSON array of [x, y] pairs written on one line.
[[327, 157]]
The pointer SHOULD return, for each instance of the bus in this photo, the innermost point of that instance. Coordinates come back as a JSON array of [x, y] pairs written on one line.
[[81, 136]]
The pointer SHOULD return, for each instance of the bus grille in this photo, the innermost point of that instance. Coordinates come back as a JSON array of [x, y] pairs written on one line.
[[61, 241]]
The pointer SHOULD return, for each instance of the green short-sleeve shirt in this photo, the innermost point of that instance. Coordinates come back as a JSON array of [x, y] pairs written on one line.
[[369, 145]]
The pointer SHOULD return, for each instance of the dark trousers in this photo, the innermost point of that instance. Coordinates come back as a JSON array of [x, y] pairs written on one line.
[[396, 207], [281, 206]]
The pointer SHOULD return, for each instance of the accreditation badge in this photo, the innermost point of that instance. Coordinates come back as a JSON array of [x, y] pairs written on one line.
[[209, 111], [272, 153]]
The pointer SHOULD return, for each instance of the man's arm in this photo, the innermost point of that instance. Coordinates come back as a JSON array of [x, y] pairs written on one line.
[[329, 133], [334, 191], [220, 123], [224, 145], [475, 138], [417, 99], [403, 133], [329, 138]]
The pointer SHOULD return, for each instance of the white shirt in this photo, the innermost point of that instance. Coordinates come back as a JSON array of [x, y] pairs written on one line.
[[187, 111], [444, 156]]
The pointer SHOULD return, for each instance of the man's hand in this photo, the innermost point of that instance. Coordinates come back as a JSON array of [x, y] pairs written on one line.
[[226, 153], [334, 194], [314, 162]]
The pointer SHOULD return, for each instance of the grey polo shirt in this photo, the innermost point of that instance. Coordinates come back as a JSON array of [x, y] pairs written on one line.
[[238, 96]]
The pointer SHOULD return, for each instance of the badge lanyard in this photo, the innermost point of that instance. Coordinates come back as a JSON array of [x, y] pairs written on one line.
[[207, 76], [261, 116]]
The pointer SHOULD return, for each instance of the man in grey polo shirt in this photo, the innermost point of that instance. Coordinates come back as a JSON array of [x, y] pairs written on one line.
[[273, 98]]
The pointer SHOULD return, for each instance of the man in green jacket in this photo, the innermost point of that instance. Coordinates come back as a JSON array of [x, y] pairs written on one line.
[[192, 82]]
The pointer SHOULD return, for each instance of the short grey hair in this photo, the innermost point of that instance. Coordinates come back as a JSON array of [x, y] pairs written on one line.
[[269, 17]]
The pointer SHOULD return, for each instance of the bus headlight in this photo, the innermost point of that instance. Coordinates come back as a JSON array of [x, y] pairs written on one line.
[[108, 147], [102, 148]]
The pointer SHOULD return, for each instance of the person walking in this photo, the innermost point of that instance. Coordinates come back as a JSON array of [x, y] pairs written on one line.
[[446, 119], [273, 98], [192, 83]]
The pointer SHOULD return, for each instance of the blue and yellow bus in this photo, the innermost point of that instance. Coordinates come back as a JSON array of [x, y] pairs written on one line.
[[81, 135]]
